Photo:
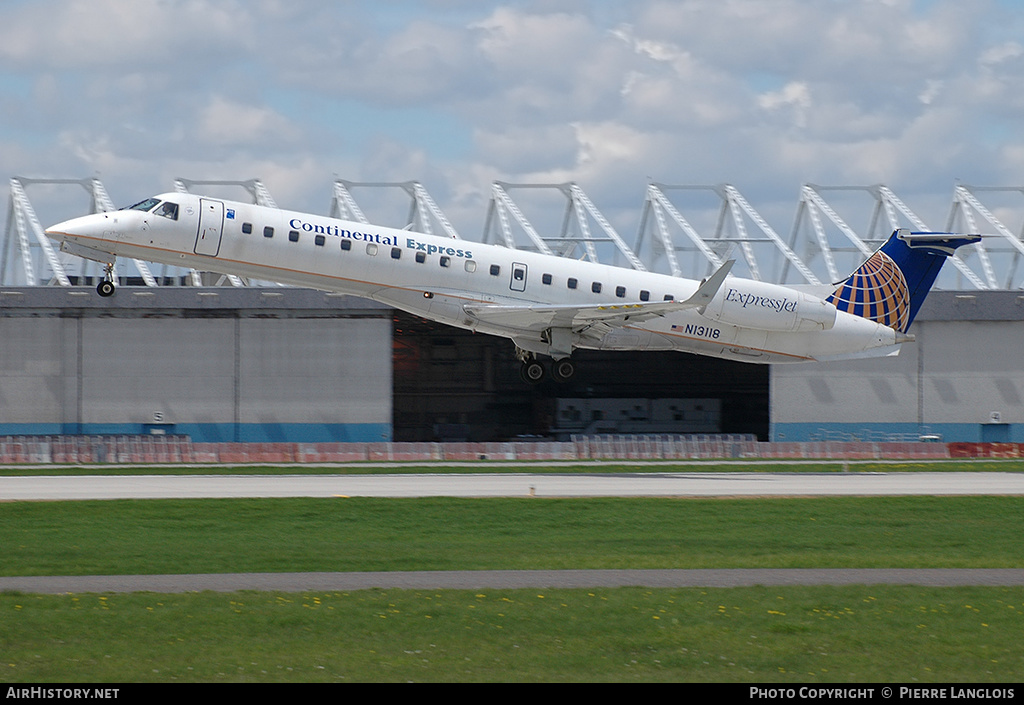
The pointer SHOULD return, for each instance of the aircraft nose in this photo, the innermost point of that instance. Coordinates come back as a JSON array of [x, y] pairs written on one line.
[[86, 226], [58, 231]]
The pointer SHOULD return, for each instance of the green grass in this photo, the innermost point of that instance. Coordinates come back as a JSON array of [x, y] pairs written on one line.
[[358, 534], [540, 466], [759, 634]]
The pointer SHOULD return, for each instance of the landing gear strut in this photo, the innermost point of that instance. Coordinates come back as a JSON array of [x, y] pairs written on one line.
[[106, 287]]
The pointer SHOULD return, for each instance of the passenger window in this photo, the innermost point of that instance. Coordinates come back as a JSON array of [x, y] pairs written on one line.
[[645, 295], [545, 278], [293, 235], [247, 228], [596, 287], [470, 266], [571, 282], [396, 253], [620, 291], [319, 240], [371, 248], [421, 257], [495, 270], [268, 231], [346, 244], [669, 297], [445, 261]]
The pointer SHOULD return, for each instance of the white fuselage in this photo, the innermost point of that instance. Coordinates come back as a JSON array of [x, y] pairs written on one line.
[[438, 278]]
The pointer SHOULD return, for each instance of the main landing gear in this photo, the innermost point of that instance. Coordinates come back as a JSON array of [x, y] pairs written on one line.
[[534, 371], [563, 370], [106, 287]]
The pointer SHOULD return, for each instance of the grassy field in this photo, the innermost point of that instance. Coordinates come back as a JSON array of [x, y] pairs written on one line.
[[790, 634], [346, 534], [785, 634]]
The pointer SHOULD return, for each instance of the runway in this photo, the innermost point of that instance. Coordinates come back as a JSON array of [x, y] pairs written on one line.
[[499, 484], [510, 580]]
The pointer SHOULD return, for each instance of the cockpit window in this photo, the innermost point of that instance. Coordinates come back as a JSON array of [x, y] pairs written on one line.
[[144, 205], [168, 210]]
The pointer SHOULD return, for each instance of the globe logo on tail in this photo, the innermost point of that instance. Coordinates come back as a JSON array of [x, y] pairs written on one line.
[[876, 291]]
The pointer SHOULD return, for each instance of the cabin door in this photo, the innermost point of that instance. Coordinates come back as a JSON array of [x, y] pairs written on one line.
[[211, 225], [518, 277]]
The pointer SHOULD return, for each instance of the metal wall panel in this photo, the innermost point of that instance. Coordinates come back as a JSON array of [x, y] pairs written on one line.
[[38, 370], [180, 367], [974, 368], [315, 371], [216, 365], [880, 390], [962, 380]]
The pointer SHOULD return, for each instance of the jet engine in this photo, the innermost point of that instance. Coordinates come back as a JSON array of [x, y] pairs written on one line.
[[764, 306]]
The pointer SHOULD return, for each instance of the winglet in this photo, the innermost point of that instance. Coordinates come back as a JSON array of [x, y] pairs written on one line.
[[707, 290]]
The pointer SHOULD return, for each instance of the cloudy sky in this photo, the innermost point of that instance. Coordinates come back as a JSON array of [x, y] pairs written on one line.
[[764, 94]]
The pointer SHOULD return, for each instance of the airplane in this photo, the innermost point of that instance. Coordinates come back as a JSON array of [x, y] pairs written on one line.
[[547, 305]]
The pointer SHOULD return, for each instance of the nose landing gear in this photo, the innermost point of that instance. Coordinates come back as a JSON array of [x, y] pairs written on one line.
[[106, 287]]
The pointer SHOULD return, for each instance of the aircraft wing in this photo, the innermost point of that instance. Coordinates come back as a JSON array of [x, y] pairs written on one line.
[[575, 316]]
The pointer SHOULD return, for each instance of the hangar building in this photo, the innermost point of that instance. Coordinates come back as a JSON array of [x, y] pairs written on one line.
[[219, 359]]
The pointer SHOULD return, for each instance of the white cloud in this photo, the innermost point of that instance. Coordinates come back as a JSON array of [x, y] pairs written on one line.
[[523, 149], [228, 123], [1001, 53], [764, 93], [541, 45], [932, 90], [795, 95], [124, 34]]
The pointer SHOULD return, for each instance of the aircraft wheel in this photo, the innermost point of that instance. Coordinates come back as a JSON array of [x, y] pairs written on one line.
[[105, 288], [532, 372], [563, 370]]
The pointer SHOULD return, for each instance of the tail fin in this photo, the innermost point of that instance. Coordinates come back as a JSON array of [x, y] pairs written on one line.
[[891, 286]]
